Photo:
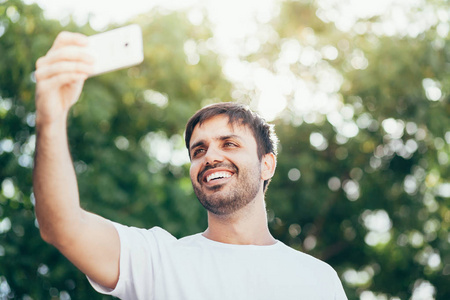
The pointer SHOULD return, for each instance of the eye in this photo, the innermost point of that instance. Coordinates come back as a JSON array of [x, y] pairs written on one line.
[[197, 152], [230, 144]]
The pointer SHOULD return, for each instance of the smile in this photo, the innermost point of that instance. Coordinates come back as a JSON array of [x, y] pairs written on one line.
[[217, 175]]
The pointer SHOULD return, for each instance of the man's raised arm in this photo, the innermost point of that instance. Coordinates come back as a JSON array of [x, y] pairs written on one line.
[[88, 240]]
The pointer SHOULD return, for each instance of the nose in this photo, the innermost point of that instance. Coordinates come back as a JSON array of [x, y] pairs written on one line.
[[213, 156]]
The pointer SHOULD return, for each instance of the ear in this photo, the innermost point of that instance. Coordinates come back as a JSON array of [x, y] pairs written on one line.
[[268, 165]]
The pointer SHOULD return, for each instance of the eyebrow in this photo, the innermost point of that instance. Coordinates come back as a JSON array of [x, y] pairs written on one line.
[[220, 138]]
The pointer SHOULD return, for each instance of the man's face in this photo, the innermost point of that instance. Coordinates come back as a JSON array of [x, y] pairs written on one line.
[[225, 169]]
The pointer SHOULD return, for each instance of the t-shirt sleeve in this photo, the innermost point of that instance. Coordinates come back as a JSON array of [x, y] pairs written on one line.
[[138, 249], [340, 293]]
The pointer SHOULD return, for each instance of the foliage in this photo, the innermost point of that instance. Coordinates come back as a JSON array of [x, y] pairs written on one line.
[[373, 195], [111, 129], [362, 185]]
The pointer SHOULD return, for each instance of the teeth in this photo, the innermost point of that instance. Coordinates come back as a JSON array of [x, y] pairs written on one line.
[[217, 175]]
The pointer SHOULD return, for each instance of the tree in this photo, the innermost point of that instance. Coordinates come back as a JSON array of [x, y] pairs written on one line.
[[362, 175], [365, 186], [111, 128]]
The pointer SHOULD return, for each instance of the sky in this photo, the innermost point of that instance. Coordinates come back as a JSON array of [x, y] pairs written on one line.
[[225, 13], [235, 22]]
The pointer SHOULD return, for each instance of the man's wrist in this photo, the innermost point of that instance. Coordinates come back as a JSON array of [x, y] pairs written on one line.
[[51, 126]]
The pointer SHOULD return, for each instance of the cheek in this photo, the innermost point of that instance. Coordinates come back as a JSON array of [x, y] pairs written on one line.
[[193, 170]]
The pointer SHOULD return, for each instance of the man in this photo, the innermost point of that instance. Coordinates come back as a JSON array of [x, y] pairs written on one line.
[[233, 158]]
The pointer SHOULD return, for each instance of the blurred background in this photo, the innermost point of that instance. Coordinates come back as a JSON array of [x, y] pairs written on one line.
[[358, 92]]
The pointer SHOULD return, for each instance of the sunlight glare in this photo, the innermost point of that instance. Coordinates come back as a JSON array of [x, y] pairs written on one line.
[[423, 290], [241, 27]]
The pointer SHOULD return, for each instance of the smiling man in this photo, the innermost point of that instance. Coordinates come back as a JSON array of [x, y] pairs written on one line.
[[230, 171], [233, 158]]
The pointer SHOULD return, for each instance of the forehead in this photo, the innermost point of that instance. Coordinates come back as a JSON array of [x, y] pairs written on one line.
[[219, 126]]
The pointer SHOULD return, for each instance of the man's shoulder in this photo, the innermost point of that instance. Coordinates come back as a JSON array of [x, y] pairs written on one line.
[[191, 239], [305, 259], [131, 232]]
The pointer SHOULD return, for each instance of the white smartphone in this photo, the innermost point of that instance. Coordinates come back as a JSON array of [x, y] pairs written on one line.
[[116, 49]]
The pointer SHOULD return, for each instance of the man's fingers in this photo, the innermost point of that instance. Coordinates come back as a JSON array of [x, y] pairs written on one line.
[[65, 79], [66, 38], [69, 67], [69, 53]]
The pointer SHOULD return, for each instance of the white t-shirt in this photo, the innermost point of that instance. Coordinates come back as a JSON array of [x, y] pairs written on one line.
[[155, 265]]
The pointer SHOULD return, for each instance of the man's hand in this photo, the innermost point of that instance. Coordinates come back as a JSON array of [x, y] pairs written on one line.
[[89, 241], [60, 75]]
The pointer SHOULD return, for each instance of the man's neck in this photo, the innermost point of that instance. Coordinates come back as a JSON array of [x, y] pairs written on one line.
[[245, 227]]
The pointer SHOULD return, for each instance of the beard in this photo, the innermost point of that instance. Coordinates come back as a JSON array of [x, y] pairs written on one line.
[[230, 197]]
